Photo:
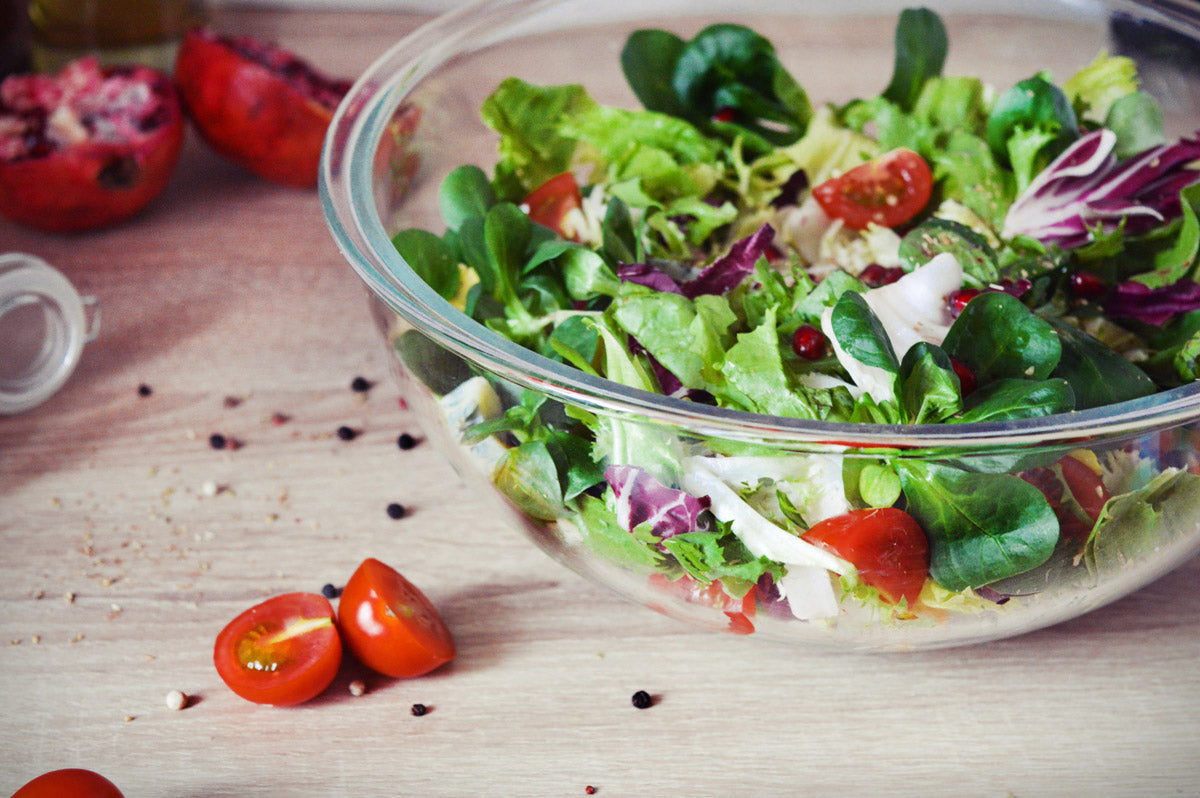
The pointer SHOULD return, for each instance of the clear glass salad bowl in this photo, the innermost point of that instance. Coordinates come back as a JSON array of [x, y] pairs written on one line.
[[414, 116]]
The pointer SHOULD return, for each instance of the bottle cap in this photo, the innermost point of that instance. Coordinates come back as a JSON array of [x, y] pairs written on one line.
[[44, 323]]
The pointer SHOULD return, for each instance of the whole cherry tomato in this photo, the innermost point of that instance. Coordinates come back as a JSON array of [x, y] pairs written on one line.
[[389, 625], [88, 147], [257, 104], [69, 783], [887, 191], [283, 651], [885, 544], [550, 203]]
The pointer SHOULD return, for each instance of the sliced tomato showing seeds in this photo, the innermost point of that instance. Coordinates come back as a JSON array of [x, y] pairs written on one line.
[[888, 191], [283, 651]]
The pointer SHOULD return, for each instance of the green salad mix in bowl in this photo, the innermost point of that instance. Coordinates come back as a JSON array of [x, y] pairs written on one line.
[[913, 368]]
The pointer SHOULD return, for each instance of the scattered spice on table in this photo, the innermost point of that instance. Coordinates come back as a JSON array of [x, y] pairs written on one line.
[[279, 419], [217, 440], [419, 709], [347, 433], [330, 591], [641, 699], [357, 687], [360, 385], [396, 511], [176, 700], [406, 441], [232, 401], [144, 390], [590, 790]]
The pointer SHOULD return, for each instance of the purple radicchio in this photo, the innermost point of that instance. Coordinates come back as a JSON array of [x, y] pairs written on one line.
[[642, 499], [721, 276], [1086, 188], [1154, 306]]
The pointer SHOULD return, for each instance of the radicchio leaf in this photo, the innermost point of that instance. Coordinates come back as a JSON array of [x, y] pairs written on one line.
[[1155, 306], [1085, 190], [721, 276], [642, 499]]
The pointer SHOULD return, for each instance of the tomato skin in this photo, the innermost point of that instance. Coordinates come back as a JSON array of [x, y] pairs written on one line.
[[249, 111], [550, 203], [886, 545], [283, 651], [738, 611], [888, 191], [389, 624], [69, 783]]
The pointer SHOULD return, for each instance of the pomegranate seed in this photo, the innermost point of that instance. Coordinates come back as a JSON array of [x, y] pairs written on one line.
[[1017, 288], [1085, 285], [726, 114], [808, 342], [966, 377], [876, 275], [957, 300]]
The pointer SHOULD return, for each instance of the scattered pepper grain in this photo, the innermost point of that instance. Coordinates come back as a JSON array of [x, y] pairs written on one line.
[[419, 709], [347, 433], [590, 790], [396, 511], [406, 441], [641, 699], [217, 440], [144, 390], [360, 385], [357, 688], [330, 591]]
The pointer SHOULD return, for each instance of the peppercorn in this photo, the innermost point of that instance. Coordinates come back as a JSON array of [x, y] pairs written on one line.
[[590, 790], [346, 433], [641, 699], [217, 440], [419, 709], [360, 385], [144, 390], [406, 441], [396, 511], [330, 591]]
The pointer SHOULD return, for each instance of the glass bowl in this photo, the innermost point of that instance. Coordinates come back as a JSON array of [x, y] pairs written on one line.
[[413, 116]]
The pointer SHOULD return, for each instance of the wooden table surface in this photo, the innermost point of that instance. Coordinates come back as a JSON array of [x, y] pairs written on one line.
[[230, 301]]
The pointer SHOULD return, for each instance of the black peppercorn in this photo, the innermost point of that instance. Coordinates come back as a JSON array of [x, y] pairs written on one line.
[[346, 433], [641, 699], [406, 441], [419, 709], [217, 440], [144, 390], [360, 385], [330, 591], [396, 511]]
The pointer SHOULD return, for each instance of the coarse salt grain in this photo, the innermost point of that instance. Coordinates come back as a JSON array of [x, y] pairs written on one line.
[[357, 687]]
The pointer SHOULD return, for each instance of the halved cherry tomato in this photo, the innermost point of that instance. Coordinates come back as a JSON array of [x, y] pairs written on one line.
[[1085, 485], [738, 611], [69, 783], [389, 625], [550, 203], [283, 651], [886, 545], [888, 191]]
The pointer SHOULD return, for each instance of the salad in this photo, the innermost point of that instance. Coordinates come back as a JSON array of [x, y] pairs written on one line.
[[946, 252]]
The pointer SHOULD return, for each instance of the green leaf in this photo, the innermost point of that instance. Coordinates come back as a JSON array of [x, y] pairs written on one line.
[[605, 536], [935, 236], [648, 62], [1137, 119], [620, 241], [929, 388], [921, 46], [966, 170], [998, 337], [1097, 375], [465, 192], [718, 555], [753, 368], [1135, 524], [1183, 258], [1008, 399], [861, 334], [529, 478], [586, 275], [981, 527], [878, 485], [430, 258]]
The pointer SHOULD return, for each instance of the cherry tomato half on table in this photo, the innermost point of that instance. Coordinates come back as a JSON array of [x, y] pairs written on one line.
[[389, 624], [550, 203], [69, 783], [887, 191], [283, 651], [885, 544]]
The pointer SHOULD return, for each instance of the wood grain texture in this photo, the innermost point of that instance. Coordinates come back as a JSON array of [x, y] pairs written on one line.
[[120, 568]]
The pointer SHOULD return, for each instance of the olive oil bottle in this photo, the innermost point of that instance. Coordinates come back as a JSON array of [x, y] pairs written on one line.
[[116, 31]]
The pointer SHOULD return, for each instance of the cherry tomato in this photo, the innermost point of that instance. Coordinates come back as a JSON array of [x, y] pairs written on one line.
[[283, 651], [889, 191], [885, 544], [389, 625], [738, 611], [1085, 485], [550, 203], [257, 104], [69, 783]]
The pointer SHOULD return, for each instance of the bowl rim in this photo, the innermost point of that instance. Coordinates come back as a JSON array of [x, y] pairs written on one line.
[[346, 191]]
